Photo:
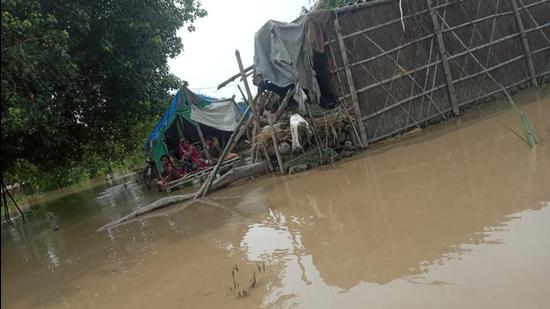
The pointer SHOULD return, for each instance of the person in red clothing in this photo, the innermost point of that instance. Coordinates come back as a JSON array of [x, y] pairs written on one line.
[[188, 152]]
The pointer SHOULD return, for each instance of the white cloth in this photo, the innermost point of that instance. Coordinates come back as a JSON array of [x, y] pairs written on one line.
[[295, 121], [222, 115]]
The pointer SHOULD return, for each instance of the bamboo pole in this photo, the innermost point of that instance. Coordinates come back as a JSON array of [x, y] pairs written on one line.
[[378, 26], [401, 102], [354, 98], [523, 6], [243, 76], [203, 142], [386, 52], [443, 54], [409, 76], [504, 63], [381, 25], [275, 144], [533, 4], [226, 150], [397, 76], [451, 57], [526, 125], [234, 77], [355, 135], [284, 104], [389, 51], [526, 48], [255, 113]]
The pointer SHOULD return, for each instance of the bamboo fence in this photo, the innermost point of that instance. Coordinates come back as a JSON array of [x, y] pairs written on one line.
[[398, 71]]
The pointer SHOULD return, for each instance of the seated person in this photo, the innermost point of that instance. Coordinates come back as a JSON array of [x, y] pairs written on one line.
[[190, 153], [213, 147], [170, 172]]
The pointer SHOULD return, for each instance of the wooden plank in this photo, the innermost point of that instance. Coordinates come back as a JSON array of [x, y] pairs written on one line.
[[443, 54], [526, 48], [354, 98]]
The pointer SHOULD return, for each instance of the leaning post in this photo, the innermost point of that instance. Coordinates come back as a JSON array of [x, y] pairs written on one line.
[[526, 49], [443, 54]]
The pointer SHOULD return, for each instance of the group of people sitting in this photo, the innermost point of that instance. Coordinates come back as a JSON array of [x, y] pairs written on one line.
[[190, 160]]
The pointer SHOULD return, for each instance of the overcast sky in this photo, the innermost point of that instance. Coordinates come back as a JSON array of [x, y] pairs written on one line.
[[208, 57]]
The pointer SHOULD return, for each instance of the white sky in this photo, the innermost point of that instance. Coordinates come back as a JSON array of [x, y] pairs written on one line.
[[208, 56]]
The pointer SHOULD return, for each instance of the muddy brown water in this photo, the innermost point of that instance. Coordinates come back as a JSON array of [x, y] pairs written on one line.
[[456, 217]]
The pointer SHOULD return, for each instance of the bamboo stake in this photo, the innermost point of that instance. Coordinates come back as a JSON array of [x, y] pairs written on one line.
[[275, 144], [443, 54], [203, 142], [226, 150], [526, 49], [354, 98]]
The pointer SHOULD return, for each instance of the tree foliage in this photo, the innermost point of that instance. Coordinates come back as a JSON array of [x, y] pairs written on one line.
[[84, 78]]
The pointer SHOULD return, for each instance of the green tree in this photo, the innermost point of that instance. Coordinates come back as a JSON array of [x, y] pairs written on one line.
[[84, 78]]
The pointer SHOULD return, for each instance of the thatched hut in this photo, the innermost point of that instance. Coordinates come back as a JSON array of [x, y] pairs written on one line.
[[397, 65]]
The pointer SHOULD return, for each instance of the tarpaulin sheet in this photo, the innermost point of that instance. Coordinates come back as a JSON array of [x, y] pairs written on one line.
[[222, 115]]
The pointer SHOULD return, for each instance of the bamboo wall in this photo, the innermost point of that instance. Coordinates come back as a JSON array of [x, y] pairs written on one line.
[[451, 54]]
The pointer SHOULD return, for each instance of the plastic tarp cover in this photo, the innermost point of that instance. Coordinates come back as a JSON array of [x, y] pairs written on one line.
[[283, 56], [222, 115]]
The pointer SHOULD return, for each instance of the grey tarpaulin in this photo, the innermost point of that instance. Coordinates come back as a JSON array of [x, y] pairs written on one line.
[[222, 115], [283, 56]]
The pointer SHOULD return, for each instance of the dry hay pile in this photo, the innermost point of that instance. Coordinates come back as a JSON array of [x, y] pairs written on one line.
[[331, 128]]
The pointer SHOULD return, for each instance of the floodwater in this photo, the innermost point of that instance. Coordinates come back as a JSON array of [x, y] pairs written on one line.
[[455, 217]]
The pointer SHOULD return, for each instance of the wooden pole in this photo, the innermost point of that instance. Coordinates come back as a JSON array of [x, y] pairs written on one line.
[[232, 78], [284, 104], [228, 147], [243, 76], [353, 93], [256, 115], [444, 61], [355, 135], [204, 145], [526, 49], [275, 144]]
